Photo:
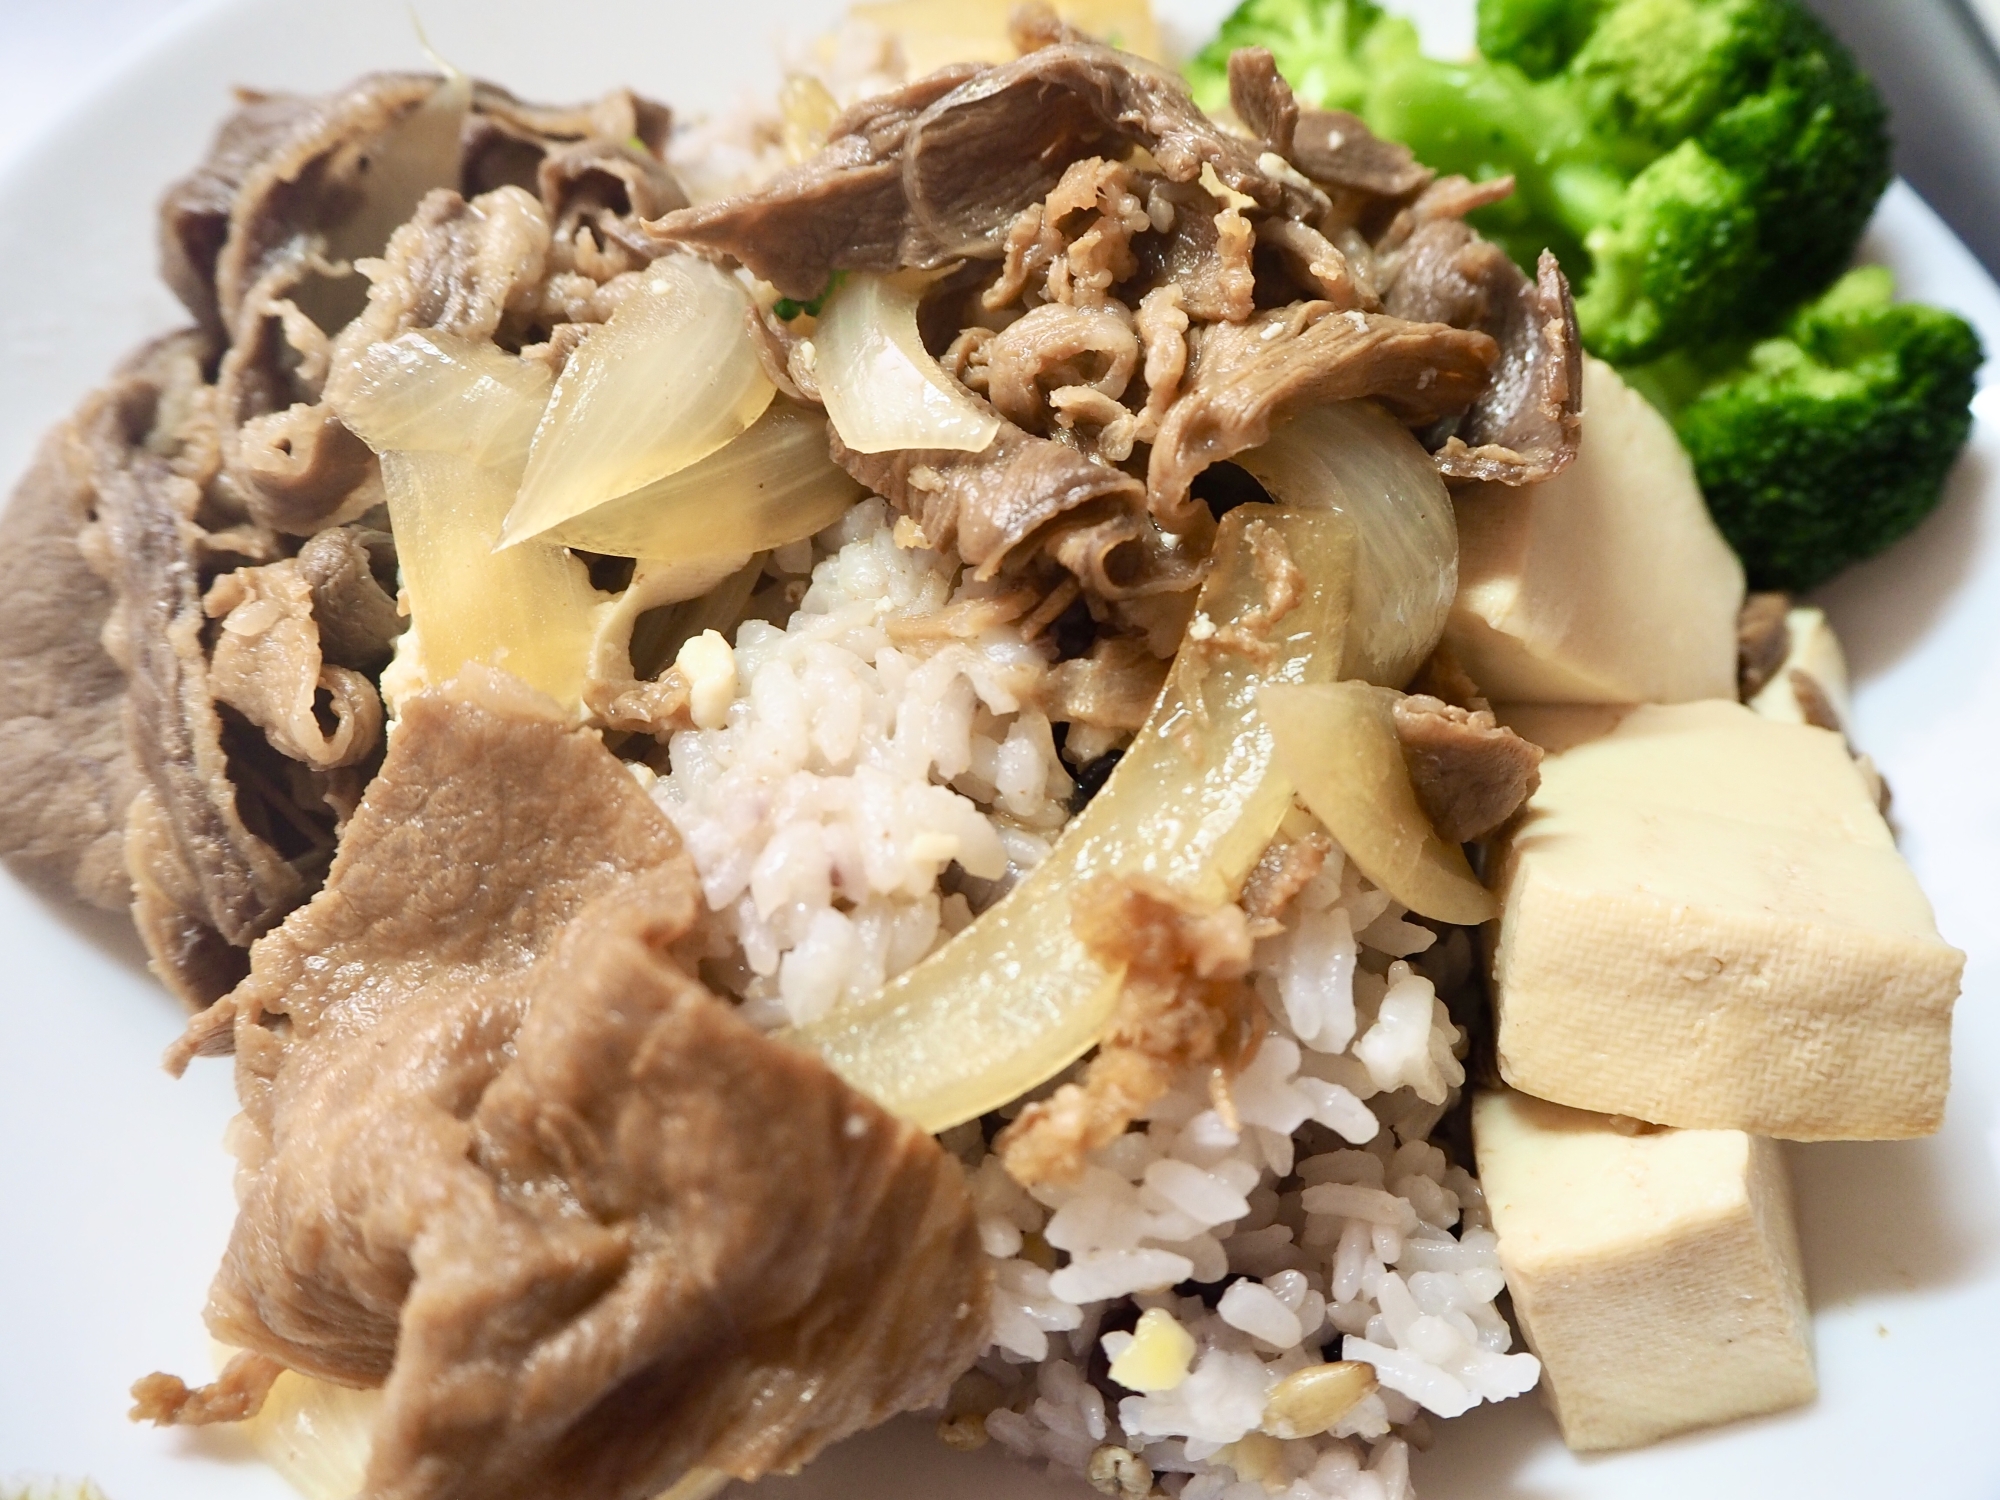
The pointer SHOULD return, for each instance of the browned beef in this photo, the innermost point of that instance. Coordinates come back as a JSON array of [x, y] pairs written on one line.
[[1763, 641], [1335, 149], [1470, 773], [1246, 377], [1524, 426], [352, 573], [939, 170], [62, 731], [207, 867], [587, 1227], [990, 504]]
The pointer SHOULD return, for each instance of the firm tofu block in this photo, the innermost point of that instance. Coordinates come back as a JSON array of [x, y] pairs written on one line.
[[1705, 922], [1608, 583], [1655, 1274]]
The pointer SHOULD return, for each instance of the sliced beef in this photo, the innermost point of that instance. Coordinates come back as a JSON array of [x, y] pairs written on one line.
[[1335, 149], [352, 574], [502, 1157], [1763, 641], [1469, 772], [267, 665], [991, 504], [1524, 426], [1246, 377], [283, 167], [150, 541], [63, 761], [940, 170]]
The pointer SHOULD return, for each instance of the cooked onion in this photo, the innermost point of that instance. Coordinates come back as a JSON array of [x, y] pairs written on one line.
[[451, 419], [668, 380], [1354, 458], [882, 389], [316, 1435], [434, 392], [1337, 742], [526, 610], [1015, 997], [773, 485]]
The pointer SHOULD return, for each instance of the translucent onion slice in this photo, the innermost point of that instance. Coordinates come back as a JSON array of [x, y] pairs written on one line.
[[433, 392], [316, 1435], [668, 380], [1337, 742], [1015, 998], [526, 610], [1355, 458], [882, 389], [773, 485]]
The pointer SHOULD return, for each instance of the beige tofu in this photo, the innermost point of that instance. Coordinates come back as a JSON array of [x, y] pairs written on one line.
[[1654, 1272], [1705, 923], [1608, 583]]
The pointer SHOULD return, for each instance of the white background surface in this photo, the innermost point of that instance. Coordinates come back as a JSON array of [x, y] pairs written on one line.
[[114, 1193]]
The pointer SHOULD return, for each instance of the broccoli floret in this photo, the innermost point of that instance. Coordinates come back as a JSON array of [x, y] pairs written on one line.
[[1537, 36], [1823, 446], [1698, 165]]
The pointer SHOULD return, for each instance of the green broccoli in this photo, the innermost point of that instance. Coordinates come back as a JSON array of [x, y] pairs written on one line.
[[1696, 164], [1821, 447]]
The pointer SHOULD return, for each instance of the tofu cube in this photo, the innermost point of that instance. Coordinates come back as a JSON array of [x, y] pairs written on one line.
[[1606, 584], [1705, 922], [1655, 1272]]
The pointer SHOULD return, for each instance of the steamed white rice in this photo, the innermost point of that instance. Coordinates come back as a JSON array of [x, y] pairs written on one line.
[[868, 788]]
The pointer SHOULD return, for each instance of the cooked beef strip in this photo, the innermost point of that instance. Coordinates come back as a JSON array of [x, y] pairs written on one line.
[[989, 504], [282, 167], [267, 665], [156, 554], [1763, 641], [1246, 377], [587, 1227], [1469, 772], [1335, 149], [1525, 425], [353, 607], [938, 171], [62, 732]]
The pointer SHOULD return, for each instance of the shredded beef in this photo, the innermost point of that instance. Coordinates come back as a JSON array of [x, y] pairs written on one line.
[[939, 170], [1469, 772], [356, 614], [500, 1156], [1184, 1003], [1244, 378], [1335, 149], [990, 503]]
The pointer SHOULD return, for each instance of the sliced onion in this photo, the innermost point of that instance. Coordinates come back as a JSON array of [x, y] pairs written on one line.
[[882, 389], [668, 380], [774, 484], [1015, 997], [1354, 458], [434, 392], [526, 610], [316, 1435], [1337, 742]]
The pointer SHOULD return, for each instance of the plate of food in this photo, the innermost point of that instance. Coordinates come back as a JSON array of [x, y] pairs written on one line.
[[1217, 753]]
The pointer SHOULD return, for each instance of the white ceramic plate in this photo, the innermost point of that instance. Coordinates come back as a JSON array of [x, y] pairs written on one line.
[[114, 1190]]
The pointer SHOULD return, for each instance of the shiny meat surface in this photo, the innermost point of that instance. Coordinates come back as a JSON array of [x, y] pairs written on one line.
[[1470, 773], [502, 1157]]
